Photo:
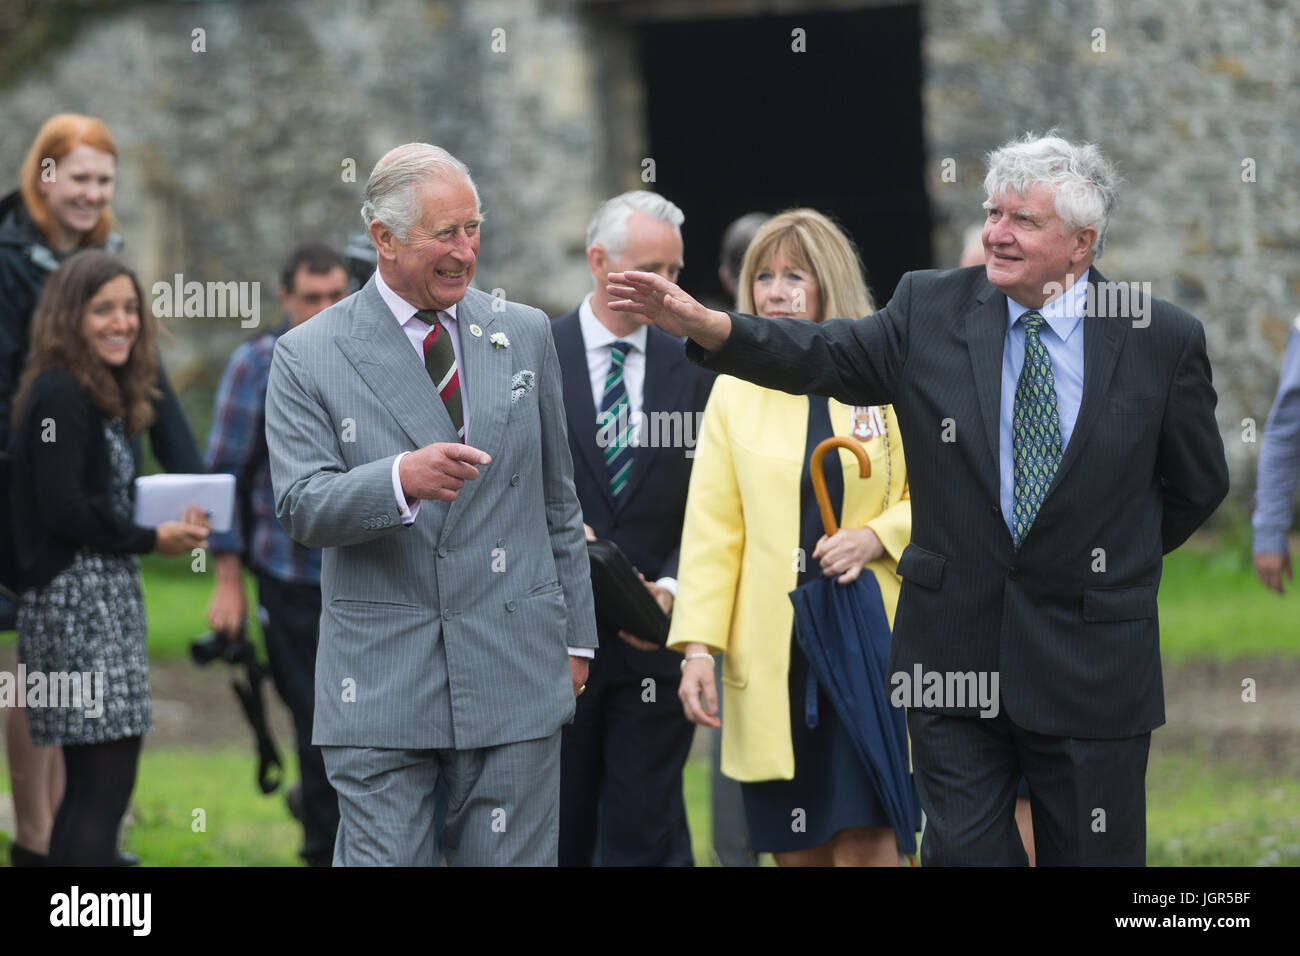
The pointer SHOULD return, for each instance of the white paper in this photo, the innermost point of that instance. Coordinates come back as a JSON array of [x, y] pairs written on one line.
[[160, 498]]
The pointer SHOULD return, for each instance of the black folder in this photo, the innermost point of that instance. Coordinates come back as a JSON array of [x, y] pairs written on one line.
[[623, 602]]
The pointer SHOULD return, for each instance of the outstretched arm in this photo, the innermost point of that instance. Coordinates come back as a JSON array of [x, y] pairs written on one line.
[[857, 362]]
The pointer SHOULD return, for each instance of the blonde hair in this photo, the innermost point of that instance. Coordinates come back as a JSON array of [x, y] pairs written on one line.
[[812, 242], [61, 134]]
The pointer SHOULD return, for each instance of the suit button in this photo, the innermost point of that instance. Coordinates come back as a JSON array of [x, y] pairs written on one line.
[[1014, 575], [510, 606], [994, 509], [514, 479], [442, 552], [448, 614]]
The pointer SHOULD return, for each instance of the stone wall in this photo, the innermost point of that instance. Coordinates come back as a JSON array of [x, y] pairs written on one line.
[[231, 155], [1183, 93]]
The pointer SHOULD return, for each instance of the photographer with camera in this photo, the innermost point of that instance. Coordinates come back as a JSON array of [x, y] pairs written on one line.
[[288, 575]]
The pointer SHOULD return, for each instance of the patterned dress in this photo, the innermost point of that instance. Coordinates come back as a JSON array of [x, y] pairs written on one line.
[[90, 620]]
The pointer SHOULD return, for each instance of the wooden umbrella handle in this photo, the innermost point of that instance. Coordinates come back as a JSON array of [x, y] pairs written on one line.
[[819, 476]]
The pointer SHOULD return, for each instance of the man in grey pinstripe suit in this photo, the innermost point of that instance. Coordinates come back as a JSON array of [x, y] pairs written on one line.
[[1060, 439], [457, 612]]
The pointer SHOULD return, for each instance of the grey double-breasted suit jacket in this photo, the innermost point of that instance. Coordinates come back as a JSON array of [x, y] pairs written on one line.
[[450, 632]]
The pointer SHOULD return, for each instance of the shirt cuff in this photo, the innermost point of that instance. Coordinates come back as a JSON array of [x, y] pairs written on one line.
[[408, 512], [1270, 541], [669, 585], [587, 652]]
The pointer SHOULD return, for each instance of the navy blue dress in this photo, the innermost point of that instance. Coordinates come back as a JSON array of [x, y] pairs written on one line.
[[832, 788]]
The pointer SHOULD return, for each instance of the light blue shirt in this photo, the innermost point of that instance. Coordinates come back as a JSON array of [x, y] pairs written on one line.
[[1062, 335], [1279, 458]]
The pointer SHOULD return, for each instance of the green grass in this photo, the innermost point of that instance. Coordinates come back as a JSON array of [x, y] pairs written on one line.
[[1198, 814], [1202, 814], [1213, 606], [699, 812], [239, 826]]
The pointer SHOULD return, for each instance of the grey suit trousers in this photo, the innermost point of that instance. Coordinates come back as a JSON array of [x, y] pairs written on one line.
[[503, 807]]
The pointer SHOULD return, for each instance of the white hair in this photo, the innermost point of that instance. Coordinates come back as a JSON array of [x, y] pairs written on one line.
[[1082, 180], [608, 227], [390, 190]]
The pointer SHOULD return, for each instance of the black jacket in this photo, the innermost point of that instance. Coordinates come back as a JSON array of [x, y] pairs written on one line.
[[61, 492], [646, 524], [25, 263], [1069, 620]]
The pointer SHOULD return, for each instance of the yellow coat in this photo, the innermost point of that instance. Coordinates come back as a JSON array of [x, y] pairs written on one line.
[[739, 553]]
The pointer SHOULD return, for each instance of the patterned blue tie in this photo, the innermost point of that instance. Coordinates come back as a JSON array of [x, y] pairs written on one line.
[[614, 424], [1035, 431]]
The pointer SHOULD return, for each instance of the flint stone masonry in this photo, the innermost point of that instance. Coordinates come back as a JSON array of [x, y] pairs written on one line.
[[232, 155]]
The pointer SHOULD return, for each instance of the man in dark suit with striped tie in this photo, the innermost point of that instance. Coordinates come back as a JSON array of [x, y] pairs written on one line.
[[632, 401], [1061, 438]]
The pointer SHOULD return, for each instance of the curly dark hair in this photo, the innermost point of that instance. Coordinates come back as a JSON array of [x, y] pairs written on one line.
[[57, 341]]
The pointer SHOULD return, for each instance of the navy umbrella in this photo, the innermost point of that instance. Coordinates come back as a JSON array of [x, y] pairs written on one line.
[[844, 633]]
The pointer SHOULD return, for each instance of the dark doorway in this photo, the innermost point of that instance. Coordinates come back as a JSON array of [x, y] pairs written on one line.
[[738, 121]]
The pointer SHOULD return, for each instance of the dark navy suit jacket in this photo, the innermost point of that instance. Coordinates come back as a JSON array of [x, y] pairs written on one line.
[[647, 522]]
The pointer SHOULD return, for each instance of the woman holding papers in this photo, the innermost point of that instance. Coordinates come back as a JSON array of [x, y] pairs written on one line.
[[753, 532], [88, 387]]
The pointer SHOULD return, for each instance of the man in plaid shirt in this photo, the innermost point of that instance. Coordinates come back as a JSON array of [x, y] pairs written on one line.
[[288, 575]]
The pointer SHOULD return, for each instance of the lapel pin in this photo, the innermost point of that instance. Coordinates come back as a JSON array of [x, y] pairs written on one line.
[[475, 331]]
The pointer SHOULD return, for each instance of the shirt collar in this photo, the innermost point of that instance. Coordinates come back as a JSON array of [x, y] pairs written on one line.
[[1062, 314], [402, 310], [596, 336]]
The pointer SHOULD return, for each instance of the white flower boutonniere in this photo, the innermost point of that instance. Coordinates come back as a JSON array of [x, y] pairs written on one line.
[[499, 340]]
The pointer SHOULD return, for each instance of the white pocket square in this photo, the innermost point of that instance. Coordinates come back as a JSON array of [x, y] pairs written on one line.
[[523, 382]]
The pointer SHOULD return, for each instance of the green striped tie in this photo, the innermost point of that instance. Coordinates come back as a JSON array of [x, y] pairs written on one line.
[[614, 425], [1035, 431]]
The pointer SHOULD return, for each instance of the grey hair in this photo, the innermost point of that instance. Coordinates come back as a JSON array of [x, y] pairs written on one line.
[[608, 227], [1082, 180], [390, 190]]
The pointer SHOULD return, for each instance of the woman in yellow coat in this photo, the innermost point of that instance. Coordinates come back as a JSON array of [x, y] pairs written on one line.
[[752, 534]]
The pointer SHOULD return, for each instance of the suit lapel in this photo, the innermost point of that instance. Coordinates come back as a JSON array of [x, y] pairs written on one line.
[[659, 393], [1103, 337], [486, 382], [986, 329], [578, 404], [385, 360]]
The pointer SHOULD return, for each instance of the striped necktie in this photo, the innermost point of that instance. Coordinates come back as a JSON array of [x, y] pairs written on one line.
[[614, 421], [440, 361], [1035, 431]]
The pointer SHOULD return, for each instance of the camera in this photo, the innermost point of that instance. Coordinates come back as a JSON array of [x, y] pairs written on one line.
[[216, 646]]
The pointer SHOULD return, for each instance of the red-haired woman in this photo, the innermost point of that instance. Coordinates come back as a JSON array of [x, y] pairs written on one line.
[[88, 386], [60, 207]]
